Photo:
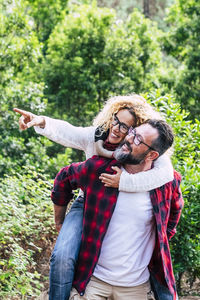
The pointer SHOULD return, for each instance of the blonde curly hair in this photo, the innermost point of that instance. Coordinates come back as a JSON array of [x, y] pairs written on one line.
[[142, 110]]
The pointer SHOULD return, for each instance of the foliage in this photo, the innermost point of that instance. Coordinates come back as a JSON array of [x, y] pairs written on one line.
[[86, 56], [182, 42], [26, 225], [21, 86], [186, 159], [91, 56], [20, 49], [46, 14], [148, 35], [124, 8], [20, 52], [73, 64]]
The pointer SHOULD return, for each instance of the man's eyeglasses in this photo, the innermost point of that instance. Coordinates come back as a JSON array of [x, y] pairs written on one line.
[[123, 128], [137, 139]]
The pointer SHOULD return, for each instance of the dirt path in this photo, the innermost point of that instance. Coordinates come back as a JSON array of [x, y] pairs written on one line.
[[190, 298], [44, 296]]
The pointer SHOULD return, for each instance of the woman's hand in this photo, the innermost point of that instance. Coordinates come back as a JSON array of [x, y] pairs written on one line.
[[111, 180], [28, 119]]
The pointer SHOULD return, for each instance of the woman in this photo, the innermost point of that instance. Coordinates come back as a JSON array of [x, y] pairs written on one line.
[[83, 138], [113, 122]]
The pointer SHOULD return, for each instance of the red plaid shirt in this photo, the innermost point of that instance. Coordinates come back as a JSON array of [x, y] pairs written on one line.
[[100, 203]]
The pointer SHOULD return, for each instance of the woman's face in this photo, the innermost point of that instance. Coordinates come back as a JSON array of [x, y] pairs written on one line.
[[116, 133]]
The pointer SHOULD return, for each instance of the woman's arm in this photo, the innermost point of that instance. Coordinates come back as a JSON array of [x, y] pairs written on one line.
[[160, 174], [58, 131], [66, 134]]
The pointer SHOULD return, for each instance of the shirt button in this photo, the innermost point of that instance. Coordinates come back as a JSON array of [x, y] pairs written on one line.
[[81, 294]]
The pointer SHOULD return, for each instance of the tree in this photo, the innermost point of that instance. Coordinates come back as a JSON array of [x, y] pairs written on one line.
[[46, 14], [20, 85], [92, 56], [154, 9], [146, 8], [182, 42]]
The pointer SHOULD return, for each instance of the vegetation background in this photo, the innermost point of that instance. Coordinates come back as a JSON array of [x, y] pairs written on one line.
[[64, 59]]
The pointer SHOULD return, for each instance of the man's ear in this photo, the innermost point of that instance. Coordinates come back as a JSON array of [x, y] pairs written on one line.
[[152, 155]]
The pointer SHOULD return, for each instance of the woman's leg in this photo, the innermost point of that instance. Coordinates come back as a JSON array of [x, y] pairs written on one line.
[[65, 253]]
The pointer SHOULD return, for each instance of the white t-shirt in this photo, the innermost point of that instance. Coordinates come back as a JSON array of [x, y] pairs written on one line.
[[129, 242]]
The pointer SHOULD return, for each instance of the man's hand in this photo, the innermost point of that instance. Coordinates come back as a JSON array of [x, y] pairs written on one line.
[[28, 119], [111, 180]]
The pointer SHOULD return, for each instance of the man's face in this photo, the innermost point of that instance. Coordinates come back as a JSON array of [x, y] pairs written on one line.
[[130, 152]]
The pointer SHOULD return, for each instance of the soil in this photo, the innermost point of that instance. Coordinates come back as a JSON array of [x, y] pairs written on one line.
[[43, 264], [190, 298], [47, 244], [189, 293]]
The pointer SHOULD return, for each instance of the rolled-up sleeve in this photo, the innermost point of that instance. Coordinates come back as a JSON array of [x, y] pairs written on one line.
[[68, 179]]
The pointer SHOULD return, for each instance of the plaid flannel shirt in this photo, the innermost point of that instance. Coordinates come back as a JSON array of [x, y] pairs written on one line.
[[99, 205]]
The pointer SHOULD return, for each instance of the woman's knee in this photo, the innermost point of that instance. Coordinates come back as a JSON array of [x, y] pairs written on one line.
[[63, 261]]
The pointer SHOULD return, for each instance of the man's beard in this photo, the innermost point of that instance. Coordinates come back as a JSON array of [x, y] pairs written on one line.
[[128, 158]]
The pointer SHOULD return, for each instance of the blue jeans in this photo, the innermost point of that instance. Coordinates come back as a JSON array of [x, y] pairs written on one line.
[[160, 291], [65, 253]]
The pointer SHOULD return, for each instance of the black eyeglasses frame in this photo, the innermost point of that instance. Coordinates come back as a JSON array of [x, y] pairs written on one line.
[[116, 121], [132, 131]]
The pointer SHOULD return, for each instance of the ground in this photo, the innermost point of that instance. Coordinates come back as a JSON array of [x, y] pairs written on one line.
[[43, 269], [190, 298]]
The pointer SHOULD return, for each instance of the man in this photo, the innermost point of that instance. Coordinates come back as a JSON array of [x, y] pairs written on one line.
[[125, 235]]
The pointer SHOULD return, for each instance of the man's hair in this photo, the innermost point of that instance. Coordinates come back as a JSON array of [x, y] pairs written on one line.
[[165, 135]]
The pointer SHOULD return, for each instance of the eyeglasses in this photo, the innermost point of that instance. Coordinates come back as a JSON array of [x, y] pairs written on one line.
[[123, 128], [137, 139]]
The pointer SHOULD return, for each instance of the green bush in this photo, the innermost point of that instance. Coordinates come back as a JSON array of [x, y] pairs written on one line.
[[185, 245], [26, 219], [46, 14], [182, 42], [20, 86], [91, 55]]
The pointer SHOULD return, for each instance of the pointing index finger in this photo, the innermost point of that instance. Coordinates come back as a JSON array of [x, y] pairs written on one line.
[[22, 112]]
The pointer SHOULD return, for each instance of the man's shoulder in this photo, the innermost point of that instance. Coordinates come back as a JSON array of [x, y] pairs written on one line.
[[171, 185], [98, 162], [98, 159], [94, 162], [175, 182], [177, 176]]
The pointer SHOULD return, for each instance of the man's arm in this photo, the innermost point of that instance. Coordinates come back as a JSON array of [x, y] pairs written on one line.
[[68, 179], [59, 215], [176, 206]]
